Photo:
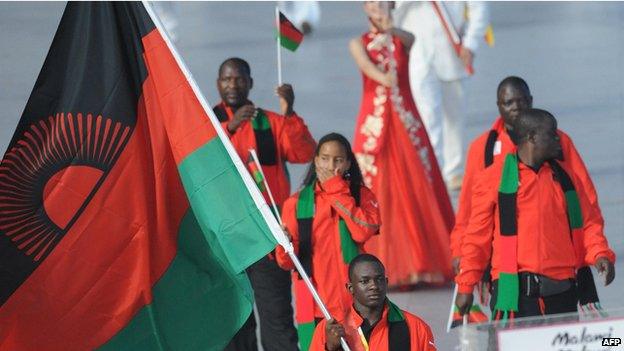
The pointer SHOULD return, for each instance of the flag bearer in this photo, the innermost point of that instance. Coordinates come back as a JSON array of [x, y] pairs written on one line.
[[373, 322]]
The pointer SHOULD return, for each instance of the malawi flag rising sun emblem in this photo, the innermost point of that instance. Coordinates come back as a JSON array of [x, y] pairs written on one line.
[[124, 222]]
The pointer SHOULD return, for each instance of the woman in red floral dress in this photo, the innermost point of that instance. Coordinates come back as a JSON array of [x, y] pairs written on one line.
[[397, 161]]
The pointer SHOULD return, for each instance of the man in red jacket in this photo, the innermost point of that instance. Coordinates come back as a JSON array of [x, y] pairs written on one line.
[[277, 138], [373, 323], [513, 97], [531, 218]]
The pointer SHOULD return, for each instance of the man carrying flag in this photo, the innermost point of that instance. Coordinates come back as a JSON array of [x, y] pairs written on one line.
[[125, 223], [373, 322], [278, 138]]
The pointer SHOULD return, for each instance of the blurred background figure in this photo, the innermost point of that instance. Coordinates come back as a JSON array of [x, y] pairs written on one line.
[[167, 13], [397, 160], [306, 15], [437, 71]]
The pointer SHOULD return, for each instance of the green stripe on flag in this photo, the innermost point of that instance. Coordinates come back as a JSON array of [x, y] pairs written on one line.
[[288, 44], [222, 203], [197, 302], [204, 297]]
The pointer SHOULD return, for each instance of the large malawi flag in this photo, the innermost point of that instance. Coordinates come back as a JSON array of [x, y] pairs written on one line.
[[124, 223]]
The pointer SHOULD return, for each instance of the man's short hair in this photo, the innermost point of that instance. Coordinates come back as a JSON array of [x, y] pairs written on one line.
[[529, 121], [515, 82], [361, 258], [238, 62]]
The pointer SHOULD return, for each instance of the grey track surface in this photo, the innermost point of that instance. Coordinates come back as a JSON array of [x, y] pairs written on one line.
[[571, 54]]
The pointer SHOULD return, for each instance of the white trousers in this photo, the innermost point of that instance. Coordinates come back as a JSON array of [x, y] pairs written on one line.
[[441, 105]]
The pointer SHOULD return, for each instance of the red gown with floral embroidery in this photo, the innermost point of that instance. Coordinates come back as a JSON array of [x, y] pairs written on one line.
[[399, 165]]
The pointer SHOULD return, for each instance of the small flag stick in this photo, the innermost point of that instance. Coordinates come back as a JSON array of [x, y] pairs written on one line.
[[450, 318], [277, 233], [279, 51], [254, 155], [464, 334], [292, 255], [317, 298]]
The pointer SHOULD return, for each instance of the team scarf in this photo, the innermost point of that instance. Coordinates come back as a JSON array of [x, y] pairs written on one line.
[[486, 278], [488, 158], [586, 287], [398, 334], [304, 302], [492, 139], [265, 141], [508, 281]]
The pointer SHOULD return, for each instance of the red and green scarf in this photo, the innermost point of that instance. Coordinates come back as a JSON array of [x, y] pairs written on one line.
[[398, 334], [398, 330], [508, 282], [304, 302]]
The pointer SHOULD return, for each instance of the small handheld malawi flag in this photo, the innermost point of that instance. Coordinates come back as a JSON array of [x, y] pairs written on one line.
[[289, 36], [256, 174], [475, 315], [124, 223]]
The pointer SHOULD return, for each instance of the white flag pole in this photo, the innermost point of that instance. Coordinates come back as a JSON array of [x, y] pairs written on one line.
[[254, 155], [450, 317], [279, 44], [317, 298], [250, 184], [465, 343]]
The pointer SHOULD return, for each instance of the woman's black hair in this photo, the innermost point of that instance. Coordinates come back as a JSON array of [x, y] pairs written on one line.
[[353, 174]]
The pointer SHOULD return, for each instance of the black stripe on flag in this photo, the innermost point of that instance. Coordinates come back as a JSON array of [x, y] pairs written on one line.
[[94, 68]]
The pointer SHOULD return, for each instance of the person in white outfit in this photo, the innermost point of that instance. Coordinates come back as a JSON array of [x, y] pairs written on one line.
[[437, 72], [305, 15], [167, 11]]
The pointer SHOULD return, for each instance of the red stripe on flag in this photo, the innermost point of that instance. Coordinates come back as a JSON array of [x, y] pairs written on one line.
[[187, 123], [103, 270], [289, 30]]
